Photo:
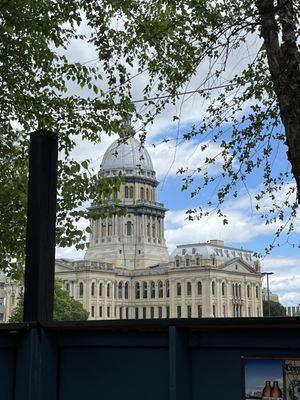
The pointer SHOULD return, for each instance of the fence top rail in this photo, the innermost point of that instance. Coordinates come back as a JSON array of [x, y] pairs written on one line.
[[216, 324]]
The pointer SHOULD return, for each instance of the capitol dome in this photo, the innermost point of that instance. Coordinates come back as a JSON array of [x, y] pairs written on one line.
[[129, 158]]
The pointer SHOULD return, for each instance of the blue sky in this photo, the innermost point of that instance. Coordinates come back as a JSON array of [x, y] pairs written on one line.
[[258, 371]]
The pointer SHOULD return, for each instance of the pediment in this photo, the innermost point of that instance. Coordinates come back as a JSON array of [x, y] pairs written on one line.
[[238, 265]]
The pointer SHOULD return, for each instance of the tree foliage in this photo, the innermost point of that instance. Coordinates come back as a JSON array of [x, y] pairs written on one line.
[[65, 307], [276, 309], [249, 114]]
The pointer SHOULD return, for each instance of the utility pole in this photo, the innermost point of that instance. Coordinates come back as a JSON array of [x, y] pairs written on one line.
[[268, 290]]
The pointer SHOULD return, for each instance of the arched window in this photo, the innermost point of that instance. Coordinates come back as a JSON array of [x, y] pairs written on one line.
[[214, 311], [240, 291], [120, 290], [145, 290], [147, 194], [152, 289], [178, 289], [167, 289], [80, 289], [233, 290], [223, 289], [126, 192], [126, 290], [128, 228], [188, 289], [108, 290], [160, 289], [248, 291], [148, 229], [103, 229], [158, 228], [224, 310], [137, 290], [68, 287], [187, 262], [101, 289], [213, 288], [199, 288], [109, 228], [131, 192], [153, 230], [93, 289], [142, 193], [256, 292]]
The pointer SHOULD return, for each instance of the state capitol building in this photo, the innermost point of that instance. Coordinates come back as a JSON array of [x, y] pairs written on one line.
[[127, 271]]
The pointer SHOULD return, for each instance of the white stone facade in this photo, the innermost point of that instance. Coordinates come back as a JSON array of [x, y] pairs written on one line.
[[127, 272], [10, 292], [163, 291]]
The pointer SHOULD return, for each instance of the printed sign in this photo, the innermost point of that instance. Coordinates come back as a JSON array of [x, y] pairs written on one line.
[[292, 379], [271, 379]]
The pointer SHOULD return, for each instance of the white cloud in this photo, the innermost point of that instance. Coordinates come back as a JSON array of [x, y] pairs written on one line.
[[286, 278], [169, 157], [241, 227], [69, 252]]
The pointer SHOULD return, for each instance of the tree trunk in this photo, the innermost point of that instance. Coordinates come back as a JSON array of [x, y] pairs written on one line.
[[283, 60]]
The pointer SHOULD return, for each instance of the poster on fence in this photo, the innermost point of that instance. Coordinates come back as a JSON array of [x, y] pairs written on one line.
[[271, 379]]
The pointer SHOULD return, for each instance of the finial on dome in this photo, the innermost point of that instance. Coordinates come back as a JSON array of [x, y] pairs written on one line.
[[126, 130]]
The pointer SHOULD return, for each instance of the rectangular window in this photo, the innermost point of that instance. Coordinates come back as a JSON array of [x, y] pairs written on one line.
[[108, 312], [159, 312], [152, 312], [93, 311], [1, 316], [100, 311], [144, 312], [1, 285], [199, 311], [189, 311], [178, 311], [1, 301], [214, 311], [168, 312], [127, 313], [121, 313], [136, 313]]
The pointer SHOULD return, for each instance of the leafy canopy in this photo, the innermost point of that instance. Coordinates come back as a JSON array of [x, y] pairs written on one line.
[[249, 113], [276, 309], [65, 307]]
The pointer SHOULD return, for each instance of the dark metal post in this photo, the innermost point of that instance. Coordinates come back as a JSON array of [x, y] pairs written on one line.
[[268, 290], [40, 236], [179, 365]]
